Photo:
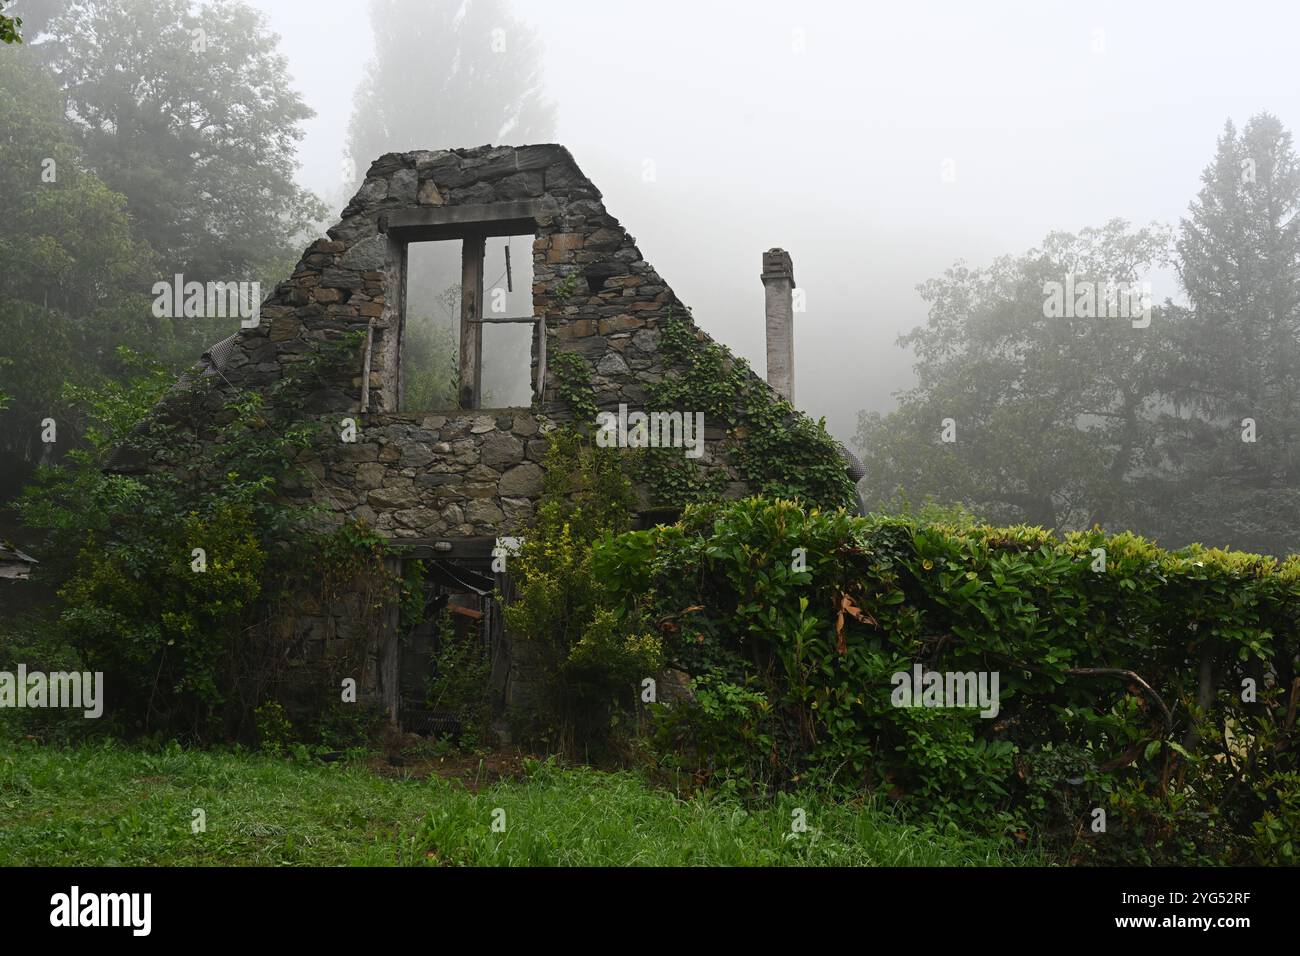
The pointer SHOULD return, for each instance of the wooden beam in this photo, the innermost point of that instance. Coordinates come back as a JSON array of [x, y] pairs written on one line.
[[365, 368], [481, 542], [394, 355], [539, 369], [517, 218], [471, 321]]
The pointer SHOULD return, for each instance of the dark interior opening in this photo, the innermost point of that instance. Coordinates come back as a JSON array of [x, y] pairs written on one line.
[[451, 663], [598, 274]]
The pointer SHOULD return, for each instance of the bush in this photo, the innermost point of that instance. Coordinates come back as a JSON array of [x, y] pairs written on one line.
[[173, 581], [1125, 671], [590, 658], [717, 735]]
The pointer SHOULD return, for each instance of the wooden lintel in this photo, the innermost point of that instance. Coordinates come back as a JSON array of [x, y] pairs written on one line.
[[479, 544], [517, 218]]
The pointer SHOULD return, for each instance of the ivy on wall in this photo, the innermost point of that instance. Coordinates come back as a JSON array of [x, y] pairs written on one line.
[[573, 384], [774, 449], [770, 446]]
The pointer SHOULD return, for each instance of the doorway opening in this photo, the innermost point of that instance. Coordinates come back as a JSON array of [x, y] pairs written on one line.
[[451, 662]]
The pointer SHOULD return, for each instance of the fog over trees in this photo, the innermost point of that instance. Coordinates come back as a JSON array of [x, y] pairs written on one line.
[[928, 192], [1154, 422], [388, 447]]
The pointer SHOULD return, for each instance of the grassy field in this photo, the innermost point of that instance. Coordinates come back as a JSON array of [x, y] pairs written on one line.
[[105, 804]]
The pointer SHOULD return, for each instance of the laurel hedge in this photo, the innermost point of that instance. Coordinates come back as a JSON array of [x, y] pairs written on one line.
[[1146, 699]]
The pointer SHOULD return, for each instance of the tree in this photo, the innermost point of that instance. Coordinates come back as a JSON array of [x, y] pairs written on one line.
[[1188, 430], [1239, 349], [9, 26], [72, 287], [1020, 413], [196, 125], [447, 74]]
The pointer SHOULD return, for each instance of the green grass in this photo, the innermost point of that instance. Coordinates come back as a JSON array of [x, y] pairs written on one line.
[[106, 804]]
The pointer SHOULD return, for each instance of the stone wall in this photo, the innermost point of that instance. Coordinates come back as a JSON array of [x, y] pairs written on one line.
[[439, 475], [454, 472], [448, 473]]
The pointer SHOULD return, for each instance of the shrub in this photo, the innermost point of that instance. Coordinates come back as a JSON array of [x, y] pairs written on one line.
[[718, 734], [590, 658], [178, 576], [1125, 675]]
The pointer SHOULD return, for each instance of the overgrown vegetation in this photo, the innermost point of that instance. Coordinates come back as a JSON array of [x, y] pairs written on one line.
[[776, 451], [589, 659], [1157, 688], [458, 685], [182, 583], [1160, 687]]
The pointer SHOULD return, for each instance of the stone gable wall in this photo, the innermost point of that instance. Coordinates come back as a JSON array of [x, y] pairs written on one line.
[[451, 472], [446, 473]]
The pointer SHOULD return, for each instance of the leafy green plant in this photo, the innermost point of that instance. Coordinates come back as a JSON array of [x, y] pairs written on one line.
[[777, 451], [590, 656], [174, 579], [274, 731], [573, 383], [9, 27], [1275, 836], [720, 734], [1156, 685], [459, 682]]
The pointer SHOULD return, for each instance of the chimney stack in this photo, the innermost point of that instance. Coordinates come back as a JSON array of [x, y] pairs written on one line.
[[778, 286]]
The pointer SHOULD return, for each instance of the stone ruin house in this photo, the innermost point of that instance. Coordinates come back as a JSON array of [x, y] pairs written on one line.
[[447, 483]]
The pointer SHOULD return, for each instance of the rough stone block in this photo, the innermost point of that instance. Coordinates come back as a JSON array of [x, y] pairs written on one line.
[[501, 449], [522, 481]]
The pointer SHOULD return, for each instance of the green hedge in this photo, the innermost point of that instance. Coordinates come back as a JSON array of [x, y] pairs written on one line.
[[1123, 676]]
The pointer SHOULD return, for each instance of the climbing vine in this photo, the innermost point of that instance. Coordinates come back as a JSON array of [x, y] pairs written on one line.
[[679, 481], [572, 374], [771, 447], [778, 452], [573, 383]]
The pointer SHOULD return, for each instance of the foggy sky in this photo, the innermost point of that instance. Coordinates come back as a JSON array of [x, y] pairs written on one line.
[[836, 153]]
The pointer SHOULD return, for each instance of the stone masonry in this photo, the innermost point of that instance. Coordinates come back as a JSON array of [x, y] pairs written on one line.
[[465, 471], [460, 473]]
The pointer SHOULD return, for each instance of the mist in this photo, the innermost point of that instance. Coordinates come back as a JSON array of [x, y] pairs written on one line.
[[825, 129], [355, 435]]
